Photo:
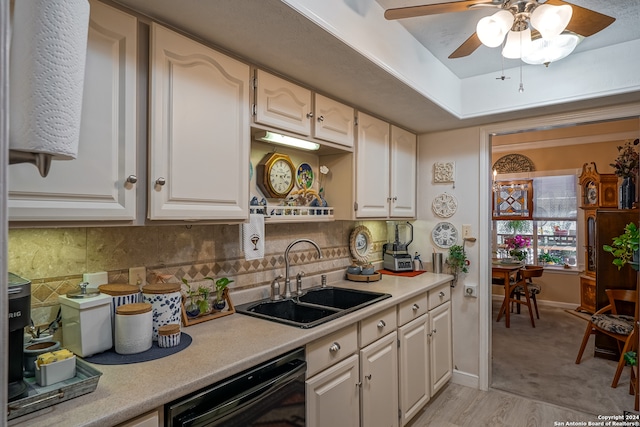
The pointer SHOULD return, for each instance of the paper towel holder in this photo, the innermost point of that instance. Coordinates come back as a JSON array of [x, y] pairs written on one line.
[[42, 161]]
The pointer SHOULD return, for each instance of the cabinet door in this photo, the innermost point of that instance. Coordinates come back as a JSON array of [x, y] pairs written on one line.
[[282, 104], [440, 346], [372, 167], [199, 132], [333, 121], [403, 173], [333, 396], [413, 367], [379, 376], [94, 186], [151, 419]]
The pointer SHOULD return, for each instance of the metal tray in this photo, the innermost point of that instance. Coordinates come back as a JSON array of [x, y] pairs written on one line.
[[85, 381]]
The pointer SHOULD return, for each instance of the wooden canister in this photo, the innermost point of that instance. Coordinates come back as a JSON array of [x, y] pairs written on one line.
[[134, 326], [166, 301]]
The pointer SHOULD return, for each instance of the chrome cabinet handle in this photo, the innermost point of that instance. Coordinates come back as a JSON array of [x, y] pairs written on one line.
[[415, 307], [334, 348], [309, 115], [381, 324], [321, 118], [161, 181], [441, 294], [132, 179]]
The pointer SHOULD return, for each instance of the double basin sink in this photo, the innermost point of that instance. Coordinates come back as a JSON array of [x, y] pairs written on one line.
[[316, 306]]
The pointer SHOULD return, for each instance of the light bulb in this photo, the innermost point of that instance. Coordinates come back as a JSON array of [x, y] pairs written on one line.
[[492, 29]]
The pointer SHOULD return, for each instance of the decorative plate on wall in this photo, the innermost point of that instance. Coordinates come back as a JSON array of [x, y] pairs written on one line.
[[443, 171], [444, 235], [305, 176], [444, 205]]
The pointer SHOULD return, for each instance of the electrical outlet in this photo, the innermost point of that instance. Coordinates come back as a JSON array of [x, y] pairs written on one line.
[[471, 291], [466, 230], [138, 276]]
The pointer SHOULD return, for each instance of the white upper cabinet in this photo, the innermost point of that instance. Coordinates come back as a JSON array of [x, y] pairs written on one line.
[[282, 104], [287, 106], [100, 183], [372, 167], [333, 121], [199, 137], [403, 173], [385, 170]]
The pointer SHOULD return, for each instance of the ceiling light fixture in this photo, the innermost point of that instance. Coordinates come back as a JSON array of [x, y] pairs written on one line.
[[290, 141], [515, 24]]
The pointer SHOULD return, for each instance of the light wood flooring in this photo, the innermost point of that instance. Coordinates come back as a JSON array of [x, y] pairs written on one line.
[[457, 406]]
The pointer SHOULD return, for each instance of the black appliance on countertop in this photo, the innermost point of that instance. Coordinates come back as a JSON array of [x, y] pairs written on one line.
[[19, 290]]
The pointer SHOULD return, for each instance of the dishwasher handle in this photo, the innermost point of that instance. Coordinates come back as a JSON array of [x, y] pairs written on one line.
[[242, 400]]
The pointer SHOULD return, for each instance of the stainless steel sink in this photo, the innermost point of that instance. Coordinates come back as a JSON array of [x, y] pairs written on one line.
[[316, 306]]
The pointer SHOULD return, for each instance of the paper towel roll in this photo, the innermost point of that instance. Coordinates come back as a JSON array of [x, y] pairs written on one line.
[[47, 61]]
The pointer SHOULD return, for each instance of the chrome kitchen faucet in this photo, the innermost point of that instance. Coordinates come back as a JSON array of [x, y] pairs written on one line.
[[287, 280]]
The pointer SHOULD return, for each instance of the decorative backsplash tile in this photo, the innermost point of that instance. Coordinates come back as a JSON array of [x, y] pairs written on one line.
[[55, 259]]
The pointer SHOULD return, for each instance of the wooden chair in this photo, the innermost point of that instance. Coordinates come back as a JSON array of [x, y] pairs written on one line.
[[528, 273], [618, 326]]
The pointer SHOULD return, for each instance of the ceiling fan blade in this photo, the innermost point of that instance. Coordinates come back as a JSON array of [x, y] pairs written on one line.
[[432, 9], [585, 22], [467, 48]]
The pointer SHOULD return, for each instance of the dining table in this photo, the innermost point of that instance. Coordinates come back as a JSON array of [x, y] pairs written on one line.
[[504, 272]]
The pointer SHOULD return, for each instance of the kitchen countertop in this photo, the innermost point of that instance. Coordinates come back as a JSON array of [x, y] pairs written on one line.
[[220, 348]]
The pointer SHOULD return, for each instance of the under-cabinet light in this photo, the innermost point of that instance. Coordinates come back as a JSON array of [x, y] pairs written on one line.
[[277, 138]]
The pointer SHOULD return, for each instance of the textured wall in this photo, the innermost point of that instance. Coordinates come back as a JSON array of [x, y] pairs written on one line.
[[54, 259]]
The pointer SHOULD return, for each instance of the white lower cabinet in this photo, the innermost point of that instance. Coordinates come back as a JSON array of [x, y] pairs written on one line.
[[333, 396], [413, 367], [379, 382], [150, 419], [385, 372], [440, 346]]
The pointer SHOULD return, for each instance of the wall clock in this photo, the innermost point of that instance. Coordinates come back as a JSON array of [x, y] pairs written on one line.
[[444, 205], [275, 175], [444, 235]]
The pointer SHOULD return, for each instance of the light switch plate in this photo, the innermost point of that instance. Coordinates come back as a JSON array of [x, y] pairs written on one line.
[[466, 230], [96, 279], [471, 291]]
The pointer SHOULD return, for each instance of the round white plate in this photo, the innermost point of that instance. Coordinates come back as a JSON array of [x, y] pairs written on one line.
[[444, 235], [444, 205]]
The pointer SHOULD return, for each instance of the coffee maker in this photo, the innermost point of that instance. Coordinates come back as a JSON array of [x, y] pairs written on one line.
[[396, 255], [19, 317]]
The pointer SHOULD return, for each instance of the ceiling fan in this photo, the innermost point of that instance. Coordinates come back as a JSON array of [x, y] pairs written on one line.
[[519, 22]]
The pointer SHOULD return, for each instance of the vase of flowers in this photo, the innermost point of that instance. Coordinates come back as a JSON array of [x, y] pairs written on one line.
[[517, 246], [626, 167]]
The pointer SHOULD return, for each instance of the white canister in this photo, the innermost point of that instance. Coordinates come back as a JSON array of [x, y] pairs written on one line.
[[134, 325], [166, 301], [169, 335], [121, 294], [86, 323]]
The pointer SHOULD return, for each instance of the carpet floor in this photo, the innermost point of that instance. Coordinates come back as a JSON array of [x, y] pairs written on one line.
[[539, 363]]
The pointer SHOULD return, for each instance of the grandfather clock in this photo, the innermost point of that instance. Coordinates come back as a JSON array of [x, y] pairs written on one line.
[[596, 191]]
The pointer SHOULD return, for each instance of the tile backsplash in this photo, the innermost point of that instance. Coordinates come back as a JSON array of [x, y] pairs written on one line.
[[54, 259]]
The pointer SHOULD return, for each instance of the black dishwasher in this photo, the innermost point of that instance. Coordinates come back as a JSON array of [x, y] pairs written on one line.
[[270, 394]]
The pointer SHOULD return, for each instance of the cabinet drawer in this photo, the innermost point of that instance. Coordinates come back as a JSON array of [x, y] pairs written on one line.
[[377, 326], [439, 295], [411, 309], [331, 349]]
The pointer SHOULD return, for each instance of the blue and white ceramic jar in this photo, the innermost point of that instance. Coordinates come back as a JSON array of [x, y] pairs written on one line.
[[166, 300], [121, 294], [169, 335]]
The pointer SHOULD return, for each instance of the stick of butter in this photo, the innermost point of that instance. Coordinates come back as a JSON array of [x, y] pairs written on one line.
[[54, 356]]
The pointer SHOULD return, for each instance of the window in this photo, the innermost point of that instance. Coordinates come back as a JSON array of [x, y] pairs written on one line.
[[553, 229]]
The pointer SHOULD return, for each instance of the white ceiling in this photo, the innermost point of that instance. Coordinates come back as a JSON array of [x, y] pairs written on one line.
[[442, 34], [346, 50]]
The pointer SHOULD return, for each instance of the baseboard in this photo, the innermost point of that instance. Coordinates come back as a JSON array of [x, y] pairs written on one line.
[[465, 379], [546, 303]]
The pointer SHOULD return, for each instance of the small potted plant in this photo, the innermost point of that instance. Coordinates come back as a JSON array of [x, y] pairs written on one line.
[[192, 308], [624, 248], [221, 284], [203, 303], [457, 261]]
